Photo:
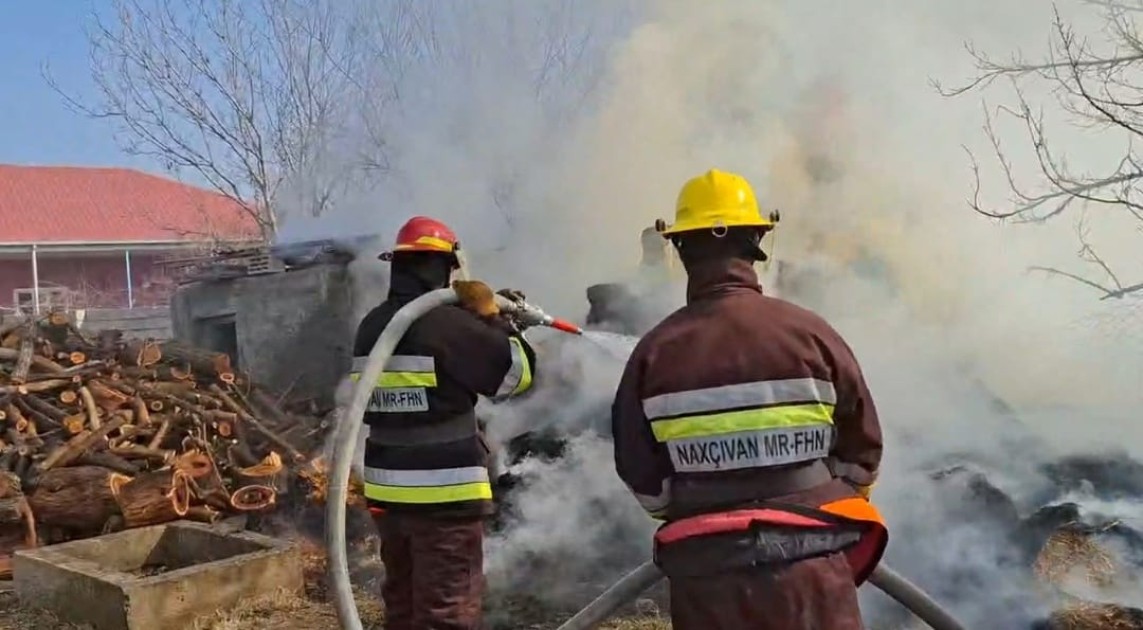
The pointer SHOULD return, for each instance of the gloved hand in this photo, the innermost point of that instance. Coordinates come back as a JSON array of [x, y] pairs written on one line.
[[512, 294], [476, 297]]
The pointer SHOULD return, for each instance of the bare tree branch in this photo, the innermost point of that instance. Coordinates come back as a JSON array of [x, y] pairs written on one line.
[[1101, 90], [241, 95]]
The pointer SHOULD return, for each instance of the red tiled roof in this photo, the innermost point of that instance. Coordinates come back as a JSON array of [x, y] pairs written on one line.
[[54, 204]]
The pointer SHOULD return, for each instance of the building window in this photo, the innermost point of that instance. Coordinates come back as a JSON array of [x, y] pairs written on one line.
[[51, 298]]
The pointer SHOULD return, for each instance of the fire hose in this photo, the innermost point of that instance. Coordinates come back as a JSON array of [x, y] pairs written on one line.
[[350, 425], [347, 434], [647, 575]]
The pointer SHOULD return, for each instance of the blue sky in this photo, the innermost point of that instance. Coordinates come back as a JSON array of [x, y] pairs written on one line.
[[36, 127]]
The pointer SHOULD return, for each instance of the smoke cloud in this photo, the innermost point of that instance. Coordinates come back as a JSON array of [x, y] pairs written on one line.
[[549, 137]]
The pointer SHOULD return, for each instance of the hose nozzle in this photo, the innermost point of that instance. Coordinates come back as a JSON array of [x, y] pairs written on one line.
[[530, 315], [564, 325]]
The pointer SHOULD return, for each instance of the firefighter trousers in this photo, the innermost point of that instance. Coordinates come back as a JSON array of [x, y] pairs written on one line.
[[434, 572], [813, 594]]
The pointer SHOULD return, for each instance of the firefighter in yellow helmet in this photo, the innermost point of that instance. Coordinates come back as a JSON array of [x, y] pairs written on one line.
[[744, 422]]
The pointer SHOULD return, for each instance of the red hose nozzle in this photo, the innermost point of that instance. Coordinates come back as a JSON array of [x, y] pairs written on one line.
[[565, 326]]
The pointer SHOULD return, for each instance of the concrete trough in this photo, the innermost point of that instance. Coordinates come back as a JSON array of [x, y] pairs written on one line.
[[165, 576]]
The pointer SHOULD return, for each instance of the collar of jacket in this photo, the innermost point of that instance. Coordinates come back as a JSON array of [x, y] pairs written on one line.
[[715, 277]]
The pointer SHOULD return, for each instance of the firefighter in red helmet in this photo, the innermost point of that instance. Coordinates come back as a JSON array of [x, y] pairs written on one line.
[[426, 463], [744, 422]]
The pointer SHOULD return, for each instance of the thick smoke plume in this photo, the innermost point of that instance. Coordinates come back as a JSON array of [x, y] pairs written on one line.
[[549, 164]]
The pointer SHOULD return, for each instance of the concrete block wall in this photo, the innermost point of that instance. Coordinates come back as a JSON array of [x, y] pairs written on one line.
[[290, 331]]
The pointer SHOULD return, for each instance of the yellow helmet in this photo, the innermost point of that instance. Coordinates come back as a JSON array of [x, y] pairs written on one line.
[[716, 199]]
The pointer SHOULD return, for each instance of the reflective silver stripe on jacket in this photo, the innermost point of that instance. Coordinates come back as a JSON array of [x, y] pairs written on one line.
[[399, 363], [747, 425], [518, 377], [655, 505], [756, 394], [426, 478]]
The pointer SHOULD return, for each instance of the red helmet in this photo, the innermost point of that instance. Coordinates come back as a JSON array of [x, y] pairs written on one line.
[[422, 234]]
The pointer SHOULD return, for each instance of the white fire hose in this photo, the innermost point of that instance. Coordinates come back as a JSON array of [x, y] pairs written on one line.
[[347, 435], [647, 575]]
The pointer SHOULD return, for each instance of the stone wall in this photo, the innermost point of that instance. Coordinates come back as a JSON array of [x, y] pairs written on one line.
[[290, 331]]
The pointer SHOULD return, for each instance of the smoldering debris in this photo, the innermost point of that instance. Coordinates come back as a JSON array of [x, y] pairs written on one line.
[[1018, 542]]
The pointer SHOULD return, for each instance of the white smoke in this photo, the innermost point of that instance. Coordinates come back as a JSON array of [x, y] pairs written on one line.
[[549, 185]]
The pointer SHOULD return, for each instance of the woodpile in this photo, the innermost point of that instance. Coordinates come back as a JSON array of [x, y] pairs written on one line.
[[102, 433]]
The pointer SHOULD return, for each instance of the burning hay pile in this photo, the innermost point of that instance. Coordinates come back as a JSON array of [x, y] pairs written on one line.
[[100, 434], [1073, 557]]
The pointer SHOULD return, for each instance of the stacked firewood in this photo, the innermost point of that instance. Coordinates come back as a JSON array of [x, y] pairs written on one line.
[[99, 433]]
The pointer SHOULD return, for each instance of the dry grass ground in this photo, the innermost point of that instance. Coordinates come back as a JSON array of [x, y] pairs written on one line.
[[278, 612], [1066, 553]]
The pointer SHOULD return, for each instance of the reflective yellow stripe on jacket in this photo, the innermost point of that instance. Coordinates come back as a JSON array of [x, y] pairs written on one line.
[[519, 377], [401, 388], [748, 425], [446, 485]]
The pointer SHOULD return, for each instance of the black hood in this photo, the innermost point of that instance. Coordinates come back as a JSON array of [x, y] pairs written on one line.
[[413, 274]]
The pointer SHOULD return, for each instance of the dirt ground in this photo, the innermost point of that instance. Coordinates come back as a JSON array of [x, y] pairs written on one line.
[[278, 612]]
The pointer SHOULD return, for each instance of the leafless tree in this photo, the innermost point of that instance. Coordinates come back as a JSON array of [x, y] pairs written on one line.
[[1099, 86], [242, 94]]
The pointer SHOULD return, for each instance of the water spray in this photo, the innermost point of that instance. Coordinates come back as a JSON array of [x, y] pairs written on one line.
[[348, 430]]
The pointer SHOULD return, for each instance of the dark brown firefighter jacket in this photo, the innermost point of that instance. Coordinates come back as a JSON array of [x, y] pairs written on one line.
[[739, 397]]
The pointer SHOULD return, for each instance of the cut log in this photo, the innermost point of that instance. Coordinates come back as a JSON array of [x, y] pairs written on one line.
[[79, 444], [47, 365], [154, 498], [36, 386], [202, 361], [107, 398], [195, 464], [89, 407], [273, 437], [142, 414], [110, 461], [76, 498], [140, 353], [253, 499], [45, 408], [203, 514], [270, 472], [74, 424], [160, 435], [138, 451]]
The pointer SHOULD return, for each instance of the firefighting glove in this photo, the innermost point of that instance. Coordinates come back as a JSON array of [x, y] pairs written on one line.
[[512, 294], [476, 297]]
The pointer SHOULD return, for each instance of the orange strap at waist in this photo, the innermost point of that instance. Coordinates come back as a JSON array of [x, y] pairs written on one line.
[[733, 521], [863, 557]]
